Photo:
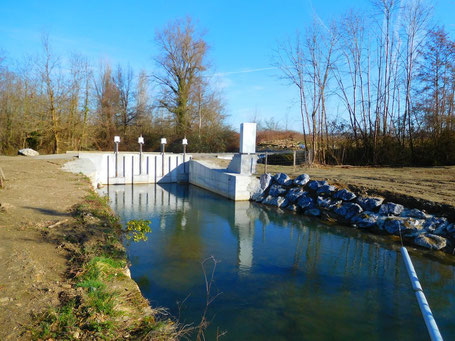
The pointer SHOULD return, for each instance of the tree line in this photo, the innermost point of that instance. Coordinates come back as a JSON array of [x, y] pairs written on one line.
[[388, 75], [56, 104], [390, 71]]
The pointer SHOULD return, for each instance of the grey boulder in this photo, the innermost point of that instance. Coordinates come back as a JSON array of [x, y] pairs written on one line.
[[314, 184], [347, 210], [405, 226], [430, 241], [391, 208], [326, 190], [294, 194], [413, 213], [258, 196], [277, 190], [345, 195], [436, 225], [282, 179], [302, 180], [306, 202], [28, 152], [370, 203], [265, 181], [328, 203], [365, 219], [275, 201]]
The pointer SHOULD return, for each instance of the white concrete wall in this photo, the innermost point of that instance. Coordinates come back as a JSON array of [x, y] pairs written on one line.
[[100, 167], [131, 170], [229, 185]]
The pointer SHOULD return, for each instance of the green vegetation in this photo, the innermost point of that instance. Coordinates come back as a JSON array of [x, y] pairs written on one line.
[[137, 229], [104, 302]]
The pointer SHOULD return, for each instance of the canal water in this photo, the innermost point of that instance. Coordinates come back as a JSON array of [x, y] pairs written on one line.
[[279, 276]]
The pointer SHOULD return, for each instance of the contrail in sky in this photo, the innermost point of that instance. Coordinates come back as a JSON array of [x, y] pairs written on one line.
[[244, 71]]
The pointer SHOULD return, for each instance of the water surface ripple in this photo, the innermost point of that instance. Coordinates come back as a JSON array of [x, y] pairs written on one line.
[[280, 276]]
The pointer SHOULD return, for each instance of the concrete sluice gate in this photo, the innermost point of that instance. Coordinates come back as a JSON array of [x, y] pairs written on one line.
[[148, 168], [131, 168], [235, 182]]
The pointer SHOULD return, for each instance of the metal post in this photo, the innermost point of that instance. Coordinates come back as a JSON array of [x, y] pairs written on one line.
[[116, 159], [423, 304], [124, 166], [163, 144], [184, 143], [184, 158], [140, 159], [147, 165], [162, 165], [107, 182], [266, 160], [116, 141], [140, 140], [293, 159], [156, 160], [132, 169]]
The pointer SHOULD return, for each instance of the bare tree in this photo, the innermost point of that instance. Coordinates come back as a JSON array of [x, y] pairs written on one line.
[[289, 59], [415, 19], [307, 65], [107, 96], [182, 63], [52, 81], [437, 75], [124, 83]]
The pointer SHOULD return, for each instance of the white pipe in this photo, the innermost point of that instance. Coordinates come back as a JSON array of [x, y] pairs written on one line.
[[430, 322]]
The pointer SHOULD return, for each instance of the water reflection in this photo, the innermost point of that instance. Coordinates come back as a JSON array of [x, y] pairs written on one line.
[[283, 276]]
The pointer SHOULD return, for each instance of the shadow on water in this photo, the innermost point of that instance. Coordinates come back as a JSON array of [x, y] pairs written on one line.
[[282, 276]]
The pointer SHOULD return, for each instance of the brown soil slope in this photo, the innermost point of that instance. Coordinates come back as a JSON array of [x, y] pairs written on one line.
[[37, 194]]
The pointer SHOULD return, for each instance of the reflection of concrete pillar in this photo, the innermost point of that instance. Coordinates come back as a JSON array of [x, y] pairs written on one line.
[[162, 222], [136, 202], [245, 226]]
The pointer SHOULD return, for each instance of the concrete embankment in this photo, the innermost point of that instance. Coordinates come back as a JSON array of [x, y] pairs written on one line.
[[230, 185]]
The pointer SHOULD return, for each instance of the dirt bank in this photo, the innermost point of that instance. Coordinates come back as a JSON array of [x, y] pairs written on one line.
[[64, 270], [36, 195], [428, 188]]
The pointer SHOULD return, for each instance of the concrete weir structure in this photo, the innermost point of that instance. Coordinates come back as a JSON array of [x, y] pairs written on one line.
[[133, 168], [235, 182]]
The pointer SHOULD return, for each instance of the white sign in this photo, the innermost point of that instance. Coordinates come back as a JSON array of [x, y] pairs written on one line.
[[140, 140], [163, 140], [184, 141], [117, 139]]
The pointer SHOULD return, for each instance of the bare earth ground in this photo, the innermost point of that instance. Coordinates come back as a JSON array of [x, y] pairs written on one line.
[[429, 188], [37, 195]]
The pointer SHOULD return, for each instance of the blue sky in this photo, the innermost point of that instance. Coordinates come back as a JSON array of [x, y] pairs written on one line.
[[241, 35]]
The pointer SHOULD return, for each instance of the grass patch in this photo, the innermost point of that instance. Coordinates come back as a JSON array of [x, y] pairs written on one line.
[[103, 303], [57, 323], [98, 274]]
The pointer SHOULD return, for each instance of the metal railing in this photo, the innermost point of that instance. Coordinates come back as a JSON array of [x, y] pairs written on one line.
[[292, 158]]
